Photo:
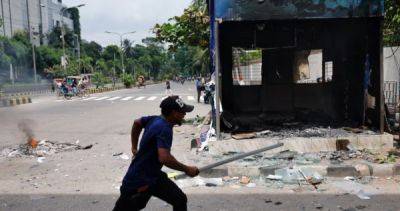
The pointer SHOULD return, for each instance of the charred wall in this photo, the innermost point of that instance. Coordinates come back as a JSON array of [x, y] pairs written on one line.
[[340, 101]]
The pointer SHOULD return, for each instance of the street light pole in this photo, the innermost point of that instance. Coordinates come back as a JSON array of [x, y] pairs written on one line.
[[41, 21], [122, 53], [78, 48], [33, 56]]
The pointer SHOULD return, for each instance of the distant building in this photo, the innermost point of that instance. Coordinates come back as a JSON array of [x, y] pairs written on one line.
[[41, 16]]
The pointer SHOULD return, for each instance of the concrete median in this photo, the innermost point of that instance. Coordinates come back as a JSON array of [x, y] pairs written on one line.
[[14, 101]]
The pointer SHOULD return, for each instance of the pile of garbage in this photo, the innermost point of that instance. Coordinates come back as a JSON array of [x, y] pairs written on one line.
[[41, 149]]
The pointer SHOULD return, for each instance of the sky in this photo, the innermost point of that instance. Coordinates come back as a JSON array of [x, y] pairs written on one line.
[[98, 16]]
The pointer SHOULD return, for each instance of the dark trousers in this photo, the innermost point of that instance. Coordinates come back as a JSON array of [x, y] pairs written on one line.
[[164, 189], [198, 94]]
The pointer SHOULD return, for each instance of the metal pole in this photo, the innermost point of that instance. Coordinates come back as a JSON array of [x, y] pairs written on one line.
[[62, 36], [34, 63], [29, 21], [2, 18], [234, 158], [122, 56], [33, 58], [78, 48], [41, 22], [114, 71], [12, 74], [381, 96], [217, 83], [9, 10]]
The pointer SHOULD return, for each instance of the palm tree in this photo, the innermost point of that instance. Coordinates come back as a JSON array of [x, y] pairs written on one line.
[[127, 48]]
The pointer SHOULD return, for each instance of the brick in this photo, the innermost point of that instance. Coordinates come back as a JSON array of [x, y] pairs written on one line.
[[241, 171], [269, 170], [342, 171], [383, 170], [215, 172], [396, 169]]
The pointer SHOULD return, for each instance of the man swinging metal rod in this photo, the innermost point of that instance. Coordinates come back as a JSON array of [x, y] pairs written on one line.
[[234, 158]]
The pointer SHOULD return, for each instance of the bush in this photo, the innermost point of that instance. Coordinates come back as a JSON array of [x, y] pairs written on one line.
[[100, 80], [127, 79]]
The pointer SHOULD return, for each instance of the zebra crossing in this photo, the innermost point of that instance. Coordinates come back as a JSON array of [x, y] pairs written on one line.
[[124, 99]]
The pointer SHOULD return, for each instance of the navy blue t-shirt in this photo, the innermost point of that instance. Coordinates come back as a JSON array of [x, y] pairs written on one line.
[[145, 169]]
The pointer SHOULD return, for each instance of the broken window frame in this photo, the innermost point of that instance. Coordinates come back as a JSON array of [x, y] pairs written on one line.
[[246, 77]]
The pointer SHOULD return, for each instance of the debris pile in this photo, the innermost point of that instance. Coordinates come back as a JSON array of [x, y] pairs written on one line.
[[40, 149], [289, 130]]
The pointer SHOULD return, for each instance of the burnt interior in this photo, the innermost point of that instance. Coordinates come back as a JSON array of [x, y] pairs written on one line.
[[337, 102]]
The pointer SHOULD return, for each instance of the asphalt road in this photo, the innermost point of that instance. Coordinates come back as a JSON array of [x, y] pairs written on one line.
[[97, 117], [209, 201]]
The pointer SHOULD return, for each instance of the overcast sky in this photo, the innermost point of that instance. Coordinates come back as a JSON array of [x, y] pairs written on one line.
[[123, 16]]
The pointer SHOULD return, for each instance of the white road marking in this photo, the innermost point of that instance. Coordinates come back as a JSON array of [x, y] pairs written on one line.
[[140, 98], [114, 98], [90, 98], [102, 98], [126, 98], [152, 98], [191, 98]]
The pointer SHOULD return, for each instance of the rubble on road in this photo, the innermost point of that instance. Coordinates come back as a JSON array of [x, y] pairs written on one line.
[[42, 149], [304, 130]]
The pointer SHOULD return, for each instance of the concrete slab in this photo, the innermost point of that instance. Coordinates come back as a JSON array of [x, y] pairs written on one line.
[[302, 145]]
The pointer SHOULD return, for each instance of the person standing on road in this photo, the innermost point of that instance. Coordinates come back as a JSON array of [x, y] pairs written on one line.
[[168, 90], [198, 88], [144, 178]]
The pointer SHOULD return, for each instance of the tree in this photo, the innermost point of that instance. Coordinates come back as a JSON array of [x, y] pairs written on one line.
[[91, 49], [47, 57], [188, 34], [127, 48], [191, 28], [110, 51], [55, 39], [74, 12], [86, 64], [392, 23]]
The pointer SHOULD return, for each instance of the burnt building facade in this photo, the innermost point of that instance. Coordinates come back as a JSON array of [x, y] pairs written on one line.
[[311, 61]]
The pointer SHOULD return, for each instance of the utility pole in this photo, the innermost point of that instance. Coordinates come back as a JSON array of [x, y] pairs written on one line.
[[11, 23], [41, 21], [114, 72], [122, 52], [78, 48], [33, 57], [11, 74], [2, 18], [29, 21]]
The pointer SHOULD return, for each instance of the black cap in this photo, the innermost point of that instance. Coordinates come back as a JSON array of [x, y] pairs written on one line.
[[177, 104]]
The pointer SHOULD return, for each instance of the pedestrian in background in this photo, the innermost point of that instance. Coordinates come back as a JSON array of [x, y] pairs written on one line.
[[198, 88], [168, 90]]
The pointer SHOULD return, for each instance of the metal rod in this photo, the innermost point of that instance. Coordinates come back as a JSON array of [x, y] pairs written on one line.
[[217, 83], [234, 158]]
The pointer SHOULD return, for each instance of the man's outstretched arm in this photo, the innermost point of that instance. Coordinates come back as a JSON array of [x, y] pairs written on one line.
[[167, 159], [135, 133]]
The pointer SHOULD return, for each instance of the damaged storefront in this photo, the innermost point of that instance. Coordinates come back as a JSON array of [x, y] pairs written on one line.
[[311, 62]]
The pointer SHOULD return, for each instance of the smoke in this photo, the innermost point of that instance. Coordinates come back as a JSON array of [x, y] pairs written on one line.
[[26, 127]]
